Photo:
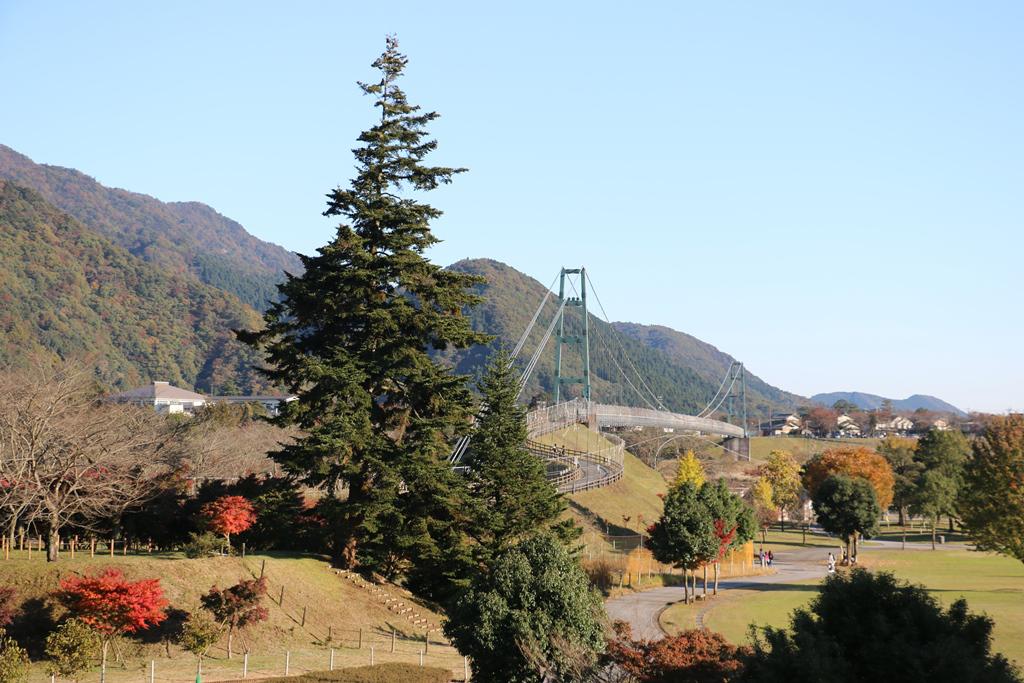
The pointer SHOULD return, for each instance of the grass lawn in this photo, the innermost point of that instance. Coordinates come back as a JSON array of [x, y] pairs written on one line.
[[800, 447], [990, 583]]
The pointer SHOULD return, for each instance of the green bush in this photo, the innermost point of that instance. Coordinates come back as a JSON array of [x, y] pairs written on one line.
[[71, 647], [381, 673], [13, 660], [203, 545]]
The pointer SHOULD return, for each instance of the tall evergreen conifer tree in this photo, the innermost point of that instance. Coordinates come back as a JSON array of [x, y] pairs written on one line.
[[351, 338], [511, 494]]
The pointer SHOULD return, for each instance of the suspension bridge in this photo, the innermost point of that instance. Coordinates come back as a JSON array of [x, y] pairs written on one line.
[[589, 467]]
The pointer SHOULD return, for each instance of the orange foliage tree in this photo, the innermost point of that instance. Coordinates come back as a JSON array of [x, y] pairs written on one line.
[[853, 461], [113, 605], [696, 655], [229, 515]]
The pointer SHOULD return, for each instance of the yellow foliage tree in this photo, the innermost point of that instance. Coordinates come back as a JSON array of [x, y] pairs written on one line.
[[763, 499], [783, 473], [690, 470]]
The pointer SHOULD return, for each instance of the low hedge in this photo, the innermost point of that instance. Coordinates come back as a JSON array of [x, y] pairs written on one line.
[[379, 673]]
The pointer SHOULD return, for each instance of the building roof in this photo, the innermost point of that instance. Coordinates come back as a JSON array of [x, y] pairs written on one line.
[[158, 390]]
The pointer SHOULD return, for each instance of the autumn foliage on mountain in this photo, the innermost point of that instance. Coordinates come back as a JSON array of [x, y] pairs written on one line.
[[71, 293], [855, 461]]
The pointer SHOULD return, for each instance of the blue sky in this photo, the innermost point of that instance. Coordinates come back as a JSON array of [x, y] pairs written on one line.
[[831, 192]]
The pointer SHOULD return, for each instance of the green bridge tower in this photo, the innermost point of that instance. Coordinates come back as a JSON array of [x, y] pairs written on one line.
[[580, 340]]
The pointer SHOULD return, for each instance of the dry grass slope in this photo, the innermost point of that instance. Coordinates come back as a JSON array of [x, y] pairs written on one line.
[[321, 609]]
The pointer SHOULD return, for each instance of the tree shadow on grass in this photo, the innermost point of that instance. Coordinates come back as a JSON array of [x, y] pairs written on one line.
[[33, 623]]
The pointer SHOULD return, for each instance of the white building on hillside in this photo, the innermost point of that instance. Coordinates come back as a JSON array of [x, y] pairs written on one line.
[[162, 397]]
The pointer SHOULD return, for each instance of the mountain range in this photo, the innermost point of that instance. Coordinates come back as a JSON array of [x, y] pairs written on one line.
[[151, 290], [176, 236], [874, 402]]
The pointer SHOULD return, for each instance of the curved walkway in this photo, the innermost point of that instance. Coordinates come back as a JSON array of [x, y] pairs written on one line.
[[641, 610]]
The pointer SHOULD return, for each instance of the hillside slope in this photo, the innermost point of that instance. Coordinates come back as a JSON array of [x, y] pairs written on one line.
[[69, 291], [680, 369], [183, 237], [321, 609], [873, 402]]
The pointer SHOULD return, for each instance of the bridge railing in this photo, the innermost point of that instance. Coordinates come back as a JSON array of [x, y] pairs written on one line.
[[560, 416]]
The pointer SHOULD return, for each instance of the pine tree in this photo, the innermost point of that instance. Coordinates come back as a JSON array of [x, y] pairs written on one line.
[[352, 336], [512, 496]]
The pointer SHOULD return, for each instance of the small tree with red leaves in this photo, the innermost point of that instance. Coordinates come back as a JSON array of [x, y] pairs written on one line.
[[238, 606], [700, 656], [229, 515], [113, 605], [8, 606]]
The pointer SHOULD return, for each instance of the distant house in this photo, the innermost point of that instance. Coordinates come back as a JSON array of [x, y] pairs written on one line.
[[897, 424], [781, 424], [940, 425], [162, 397], [846, 426]]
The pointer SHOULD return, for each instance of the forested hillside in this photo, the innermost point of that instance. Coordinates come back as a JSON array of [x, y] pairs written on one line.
[[69, 291], [711, 364], [685, 383], [181, 237]]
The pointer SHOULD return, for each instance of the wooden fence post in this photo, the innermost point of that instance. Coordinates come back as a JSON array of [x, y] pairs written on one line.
[[360, 638], [245, 665], [392, 638], [330, 664], [287, 662], [303, 624], [263, 567], [280, 601]]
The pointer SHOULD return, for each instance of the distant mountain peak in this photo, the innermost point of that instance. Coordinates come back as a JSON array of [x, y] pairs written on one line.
[[866, 401]]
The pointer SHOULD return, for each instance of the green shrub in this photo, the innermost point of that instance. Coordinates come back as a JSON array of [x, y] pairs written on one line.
[[381, 673], [203, 545], [13, 660], [71, 648]]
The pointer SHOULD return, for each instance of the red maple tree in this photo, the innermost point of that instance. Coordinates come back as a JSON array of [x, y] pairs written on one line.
[[237, 606], [229, 515], [696, 655], [113, 605]]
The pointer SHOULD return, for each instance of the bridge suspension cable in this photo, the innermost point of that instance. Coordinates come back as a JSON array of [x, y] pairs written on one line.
[[625, 355], [463, 443]]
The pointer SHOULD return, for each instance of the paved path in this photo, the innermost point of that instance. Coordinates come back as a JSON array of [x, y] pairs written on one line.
[[641, 610]]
